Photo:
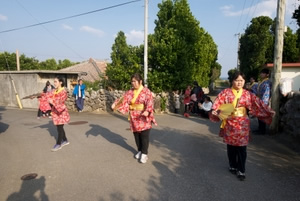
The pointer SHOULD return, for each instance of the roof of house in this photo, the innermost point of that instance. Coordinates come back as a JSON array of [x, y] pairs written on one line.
[[92, 67], [284, 65], [80, 73]]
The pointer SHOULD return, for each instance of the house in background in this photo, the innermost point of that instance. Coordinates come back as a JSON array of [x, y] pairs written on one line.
[[289, 70], [30, 82], [94, 69]]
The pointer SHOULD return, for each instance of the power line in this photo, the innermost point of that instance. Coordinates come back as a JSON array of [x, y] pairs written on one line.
[[73, 16], [62, 42]]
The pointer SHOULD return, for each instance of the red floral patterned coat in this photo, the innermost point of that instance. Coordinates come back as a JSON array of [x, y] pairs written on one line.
[[138, 122], [44, 104], [236, 130], [60, 114]]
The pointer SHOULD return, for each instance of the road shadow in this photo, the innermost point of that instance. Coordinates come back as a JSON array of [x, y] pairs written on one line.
[[109, 136], [51, 128], [3, 126], [29, 189], [119, 116], [195, 167]]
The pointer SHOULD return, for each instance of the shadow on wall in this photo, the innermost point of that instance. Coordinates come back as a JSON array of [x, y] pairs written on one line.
[[28, 190]]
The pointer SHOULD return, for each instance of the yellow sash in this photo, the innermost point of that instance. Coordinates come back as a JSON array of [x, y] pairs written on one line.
[[252, 84], [58, 90], [136, 93], [237, 95]]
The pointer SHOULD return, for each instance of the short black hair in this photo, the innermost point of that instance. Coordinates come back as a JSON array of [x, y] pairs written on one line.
[[61, 80], [236, 74], [137, 77], [265, 70]]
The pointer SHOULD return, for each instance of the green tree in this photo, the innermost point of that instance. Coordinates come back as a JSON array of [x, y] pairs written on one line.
[[27, 63], [180, 51], [125, 62], [49, 64], [8, 61], [215, 72], [290, 48], [64, 64], [254, 46]]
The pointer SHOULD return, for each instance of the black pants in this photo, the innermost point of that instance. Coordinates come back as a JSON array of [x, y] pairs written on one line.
[[261, 127], [142, 140], [40, 113], [61, 134], [237, 157], [203, 113]]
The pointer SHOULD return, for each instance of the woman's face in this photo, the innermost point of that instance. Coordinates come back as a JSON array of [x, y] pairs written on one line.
[[238, 83], [135, 83], [57, 84]]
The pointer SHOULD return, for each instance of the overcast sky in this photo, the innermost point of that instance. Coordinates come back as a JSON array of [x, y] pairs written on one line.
[[92, 35]]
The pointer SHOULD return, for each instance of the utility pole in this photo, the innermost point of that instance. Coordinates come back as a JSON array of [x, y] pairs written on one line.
[[238, 49], [18, 60], [279, 32], [146, 44]]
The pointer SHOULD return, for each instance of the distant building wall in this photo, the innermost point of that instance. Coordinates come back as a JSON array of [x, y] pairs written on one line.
[[293, 73], [28, 84]]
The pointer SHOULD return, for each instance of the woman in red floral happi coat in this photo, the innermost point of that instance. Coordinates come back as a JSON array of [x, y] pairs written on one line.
[[60, 114], [139, 103], [236, 127], [44, 106]]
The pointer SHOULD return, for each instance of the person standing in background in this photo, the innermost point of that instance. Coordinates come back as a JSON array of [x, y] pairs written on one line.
[[177, 101], [264, 93], [187, 100], [253, 85], [79, 95]]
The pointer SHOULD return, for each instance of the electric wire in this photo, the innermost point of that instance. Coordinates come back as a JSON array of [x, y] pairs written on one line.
[[233, 37], [69, 17], [51, 33]]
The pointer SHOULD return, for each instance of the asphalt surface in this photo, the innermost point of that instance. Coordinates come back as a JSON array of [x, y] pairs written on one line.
[[187, 161]]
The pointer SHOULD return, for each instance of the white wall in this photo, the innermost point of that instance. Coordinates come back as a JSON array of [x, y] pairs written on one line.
[[293, 73]]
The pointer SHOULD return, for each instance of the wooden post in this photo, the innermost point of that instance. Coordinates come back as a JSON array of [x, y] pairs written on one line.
[[279, 31], [18, 60]]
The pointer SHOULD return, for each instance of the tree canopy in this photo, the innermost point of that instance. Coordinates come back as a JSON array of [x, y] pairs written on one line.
[[8, 62], [125, 62], [180, 51], [257, 46]]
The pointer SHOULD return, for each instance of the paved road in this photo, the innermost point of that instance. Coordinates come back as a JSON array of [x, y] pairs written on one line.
[[187, 161]]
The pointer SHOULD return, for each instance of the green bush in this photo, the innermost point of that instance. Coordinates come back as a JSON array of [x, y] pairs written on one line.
[[92, 85]]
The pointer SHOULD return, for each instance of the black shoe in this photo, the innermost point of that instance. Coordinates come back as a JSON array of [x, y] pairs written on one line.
[[241, 175], [232, 170]]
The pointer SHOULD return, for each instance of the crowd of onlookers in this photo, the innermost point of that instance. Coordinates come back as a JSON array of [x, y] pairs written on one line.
[[198, 103], [195, 101]]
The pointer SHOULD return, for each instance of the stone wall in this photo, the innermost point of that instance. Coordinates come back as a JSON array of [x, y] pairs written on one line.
[[290, 114], [101, 101]]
